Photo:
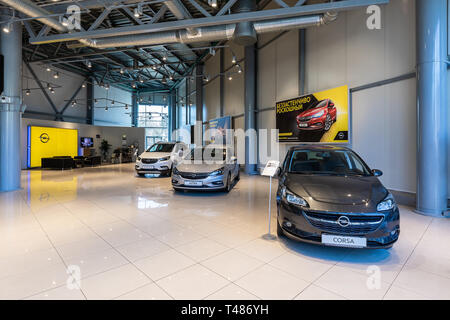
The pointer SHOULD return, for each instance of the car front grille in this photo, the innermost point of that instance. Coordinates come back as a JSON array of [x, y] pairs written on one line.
[[304, 119], [193, 175], [149, 161], [358, 223]]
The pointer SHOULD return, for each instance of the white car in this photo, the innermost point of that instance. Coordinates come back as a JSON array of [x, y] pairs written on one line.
[[160, 157]]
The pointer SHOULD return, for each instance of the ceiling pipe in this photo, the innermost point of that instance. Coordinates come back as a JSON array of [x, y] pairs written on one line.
[[180, 12], [204, 34]]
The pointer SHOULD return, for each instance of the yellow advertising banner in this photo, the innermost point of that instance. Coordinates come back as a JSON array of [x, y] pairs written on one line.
[[46, 142], [321, 117]]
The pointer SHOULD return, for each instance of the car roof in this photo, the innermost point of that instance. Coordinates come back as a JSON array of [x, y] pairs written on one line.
[[318, 147]]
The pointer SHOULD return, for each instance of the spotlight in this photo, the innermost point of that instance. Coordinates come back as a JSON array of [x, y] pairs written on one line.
[[48, 69], [56, 75], [28, 92], [206, 78], [49, 86], [106, 86], [164, 98], [230, 77], [106, 108], [74, 103], [165, 57], [154, 67], [122, 71], [239, 69], [212, 51], [170, 77], [164, 80], [112, 102], [126, 107], [138, 11], [89, 64], [133, 84], [7, 27], [95, 101], [52, 90], [141, 80], [212, 3], [83, 85], [233, 60]]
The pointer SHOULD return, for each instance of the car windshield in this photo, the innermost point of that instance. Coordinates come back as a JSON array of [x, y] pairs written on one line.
[[161, 147], [327, 162], [207, 154]]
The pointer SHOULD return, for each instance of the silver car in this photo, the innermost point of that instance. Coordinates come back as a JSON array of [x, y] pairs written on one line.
[[207, 168]]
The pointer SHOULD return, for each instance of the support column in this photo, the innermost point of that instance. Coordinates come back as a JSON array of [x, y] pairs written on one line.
[[172, 114], [301, 60], [90, 101], [251, 140], [198, 138], [11, 103], [431, 24], [222, 82], [134, 109]]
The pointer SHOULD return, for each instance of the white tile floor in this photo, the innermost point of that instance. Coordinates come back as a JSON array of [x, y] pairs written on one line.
[[134, 238]]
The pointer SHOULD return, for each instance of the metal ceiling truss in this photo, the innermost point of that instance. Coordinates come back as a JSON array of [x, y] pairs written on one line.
[[146, 68]]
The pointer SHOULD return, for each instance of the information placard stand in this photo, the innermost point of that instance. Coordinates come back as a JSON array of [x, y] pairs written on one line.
[[269, 171]]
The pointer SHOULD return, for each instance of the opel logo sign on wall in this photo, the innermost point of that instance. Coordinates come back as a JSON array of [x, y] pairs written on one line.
[[44, 138], [343, 221]]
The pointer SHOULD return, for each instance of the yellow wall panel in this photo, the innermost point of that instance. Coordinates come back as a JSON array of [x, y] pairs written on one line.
[[46, 142]]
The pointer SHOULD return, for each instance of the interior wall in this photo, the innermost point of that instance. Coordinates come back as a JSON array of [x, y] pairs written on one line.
[[113, 135], [383, 126], [116, 115], [65, 86]]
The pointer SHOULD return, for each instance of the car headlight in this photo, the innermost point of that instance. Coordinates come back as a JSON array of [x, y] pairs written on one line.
[[217, 172], [387, 204], [175, 171], [293, 199], [164, 159], [318, 115]]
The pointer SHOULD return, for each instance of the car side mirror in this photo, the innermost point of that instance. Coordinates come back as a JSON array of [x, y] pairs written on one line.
[[377, 173]]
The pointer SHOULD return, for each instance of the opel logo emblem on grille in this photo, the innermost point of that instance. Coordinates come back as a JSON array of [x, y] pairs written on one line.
[[343, 221]]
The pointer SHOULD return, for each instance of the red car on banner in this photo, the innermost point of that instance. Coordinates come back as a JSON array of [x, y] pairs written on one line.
[[320, 117]]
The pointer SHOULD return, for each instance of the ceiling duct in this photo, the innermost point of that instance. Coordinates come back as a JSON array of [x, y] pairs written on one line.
[[181, 13], [242, 34]]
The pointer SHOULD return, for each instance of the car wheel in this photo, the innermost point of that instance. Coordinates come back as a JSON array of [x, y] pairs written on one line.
[[280, 232], [229, 185], [328, 123]]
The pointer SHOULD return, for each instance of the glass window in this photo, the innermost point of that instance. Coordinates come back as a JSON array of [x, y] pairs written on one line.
[[161, 147], [333, 162], [207, 154]]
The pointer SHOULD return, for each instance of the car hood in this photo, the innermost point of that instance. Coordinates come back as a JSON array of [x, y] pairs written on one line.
[[311, 112], [331, 192], [199, 167], [154, 155]]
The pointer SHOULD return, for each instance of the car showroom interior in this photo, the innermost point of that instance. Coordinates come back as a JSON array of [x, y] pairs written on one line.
[[224, 150]]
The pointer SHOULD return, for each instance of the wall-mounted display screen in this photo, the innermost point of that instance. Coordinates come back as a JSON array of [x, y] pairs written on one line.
[[86, 142], [46, 142], [318, 117]]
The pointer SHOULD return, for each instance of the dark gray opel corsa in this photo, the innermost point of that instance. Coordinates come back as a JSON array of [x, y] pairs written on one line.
[[327, 195]]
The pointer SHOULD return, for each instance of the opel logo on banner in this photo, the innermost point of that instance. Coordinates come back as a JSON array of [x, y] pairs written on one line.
[[44, 138], [343, 221]]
